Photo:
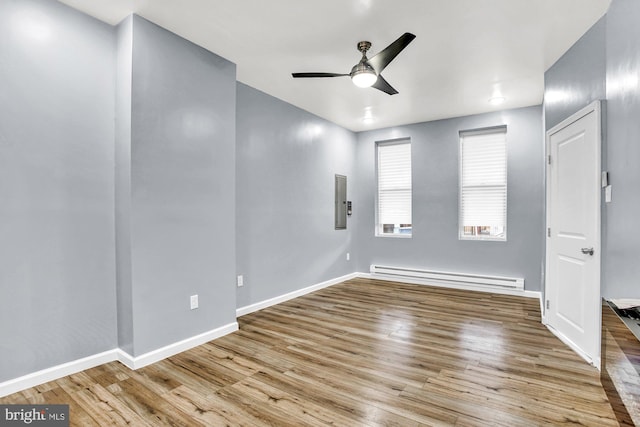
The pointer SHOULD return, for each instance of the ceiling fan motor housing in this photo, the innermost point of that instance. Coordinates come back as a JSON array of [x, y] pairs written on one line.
[[363, 47], [362, 74], [362, 67]]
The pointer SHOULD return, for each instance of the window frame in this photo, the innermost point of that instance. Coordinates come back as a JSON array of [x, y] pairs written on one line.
[[473, 132], [377, 226]]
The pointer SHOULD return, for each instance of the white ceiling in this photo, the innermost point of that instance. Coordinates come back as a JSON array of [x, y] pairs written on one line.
[[465, 52]]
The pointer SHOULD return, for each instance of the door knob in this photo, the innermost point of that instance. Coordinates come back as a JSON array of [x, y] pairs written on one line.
[[587, 251]]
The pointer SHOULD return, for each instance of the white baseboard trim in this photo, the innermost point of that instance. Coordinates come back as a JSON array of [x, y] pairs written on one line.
[[469, 287], [55, 372], [154, 356], [40, 377], [286, 297]]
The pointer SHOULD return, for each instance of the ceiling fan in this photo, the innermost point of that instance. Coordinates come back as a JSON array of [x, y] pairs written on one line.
[[366, 73]]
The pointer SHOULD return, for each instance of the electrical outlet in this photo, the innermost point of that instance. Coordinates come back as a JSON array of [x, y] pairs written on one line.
[[194, 302], [348, 256], [240, 281]]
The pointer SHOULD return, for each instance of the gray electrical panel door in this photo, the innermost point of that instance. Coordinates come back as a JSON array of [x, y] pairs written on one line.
[[341, 202]]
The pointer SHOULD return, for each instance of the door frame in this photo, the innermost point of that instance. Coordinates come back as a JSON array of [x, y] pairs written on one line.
[[594, 107]]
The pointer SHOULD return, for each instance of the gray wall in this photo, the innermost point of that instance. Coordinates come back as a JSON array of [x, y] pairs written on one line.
[[182, 189], [604, 64], [435, 242], [621, 269], [57, 94], [577, 78], [122, 184], [286, 162]]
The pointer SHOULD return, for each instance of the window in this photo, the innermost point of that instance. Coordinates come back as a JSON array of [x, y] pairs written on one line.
[[483, 184], [393, 213]]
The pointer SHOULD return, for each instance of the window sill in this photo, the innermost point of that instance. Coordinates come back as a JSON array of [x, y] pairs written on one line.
[[395, 236], [483, 239]]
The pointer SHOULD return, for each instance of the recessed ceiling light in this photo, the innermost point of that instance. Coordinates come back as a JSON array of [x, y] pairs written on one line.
[[497, 100], [368, 116]]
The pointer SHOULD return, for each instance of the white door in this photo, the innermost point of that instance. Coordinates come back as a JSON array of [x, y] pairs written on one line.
[[572, 289]]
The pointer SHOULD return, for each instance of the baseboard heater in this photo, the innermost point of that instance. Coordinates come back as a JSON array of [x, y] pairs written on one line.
[[463, 280]]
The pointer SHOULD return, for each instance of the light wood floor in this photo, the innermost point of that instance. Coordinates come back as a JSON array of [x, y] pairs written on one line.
[[361, 353]]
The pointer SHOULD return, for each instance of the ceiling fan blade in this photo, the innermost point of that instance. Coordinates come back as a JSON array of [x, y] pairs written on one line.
[[384, 57], [306, 75], [381, 84]]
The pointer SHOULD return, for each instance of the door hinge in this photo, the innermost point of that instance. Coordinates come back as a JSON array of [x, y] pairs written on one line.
[[547, 305], [549, 232], [549, 159]]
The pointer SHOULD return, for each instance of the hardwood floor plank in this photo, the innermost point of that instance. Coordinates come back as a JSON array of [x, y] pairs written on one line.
[[80, 417], [75, 382], [105, 408], [360, 353], [268, 412], [146, 404], [213, 374], [262, 355], [393, 380], [230, 360], [497, 390], [371, 396], [109, 373], [339, 402], [467, 412], [211, 410], [302, 409], [162, 378]]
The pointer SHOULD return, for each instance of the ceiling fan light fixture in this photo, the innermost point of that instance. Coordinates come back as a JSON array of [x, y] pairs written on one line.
[[363, 75], [366, 73], [364, 79]]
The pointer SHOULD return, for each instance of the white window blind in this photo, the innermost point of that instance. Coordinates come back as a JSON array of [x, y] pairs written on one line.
[[483, 184], [394, 188]]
